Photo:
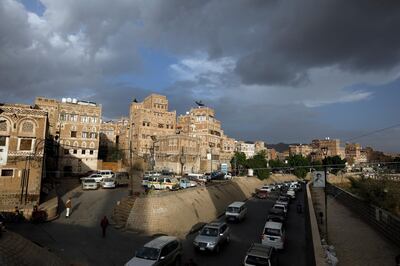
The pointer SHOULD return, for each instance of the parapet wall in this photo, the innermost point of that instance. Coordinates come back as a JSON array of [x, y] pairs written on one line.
[[177, 213]]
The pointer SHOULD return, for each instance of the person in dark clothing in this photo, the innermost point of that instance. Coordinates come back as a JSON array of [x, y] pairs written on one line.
[[104, 223]]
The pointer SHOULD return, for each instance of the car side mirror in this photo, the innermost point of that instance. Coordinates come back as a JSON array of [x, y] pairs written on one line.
[[162, 258]]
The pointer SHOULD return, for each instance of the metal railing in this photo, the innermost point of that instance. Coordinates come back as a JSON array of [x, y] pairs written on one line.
[[382, 220]]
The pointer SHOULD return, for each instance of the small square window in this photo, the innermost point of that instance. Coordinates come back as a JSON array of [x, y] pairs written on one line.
[[73, 134], [66, 151], [7, 172], [91, 152], [25, 145], [83, 151], [75, 151]]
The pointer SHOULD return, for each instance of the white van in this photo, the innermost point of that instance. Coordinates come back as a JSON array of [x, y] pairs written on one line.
[[274, 235], [106, 173], [236, 211]]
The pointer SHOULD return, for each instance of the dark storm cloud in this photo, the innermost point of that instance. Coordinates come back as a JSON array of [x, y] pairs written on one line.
[[357, 36], [263, 64]]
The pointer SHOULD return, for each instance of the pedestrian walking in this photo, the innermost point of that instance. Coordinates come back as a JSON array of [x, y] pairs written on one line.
[[104, 223], [68, 205]]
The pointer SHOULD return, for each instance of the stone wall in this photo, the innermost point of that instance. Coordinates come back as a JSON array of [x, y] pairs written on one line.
[[179, 212]]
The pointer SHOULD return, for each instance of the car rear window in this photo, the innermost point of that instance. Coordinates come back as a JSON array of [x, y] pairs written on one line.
[[272, 232], [257, 261], [233, 209], [89, 181]]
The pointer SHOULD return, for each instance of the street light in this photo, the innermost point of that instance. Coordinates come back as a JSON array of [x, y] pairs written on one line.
[[325, 153]]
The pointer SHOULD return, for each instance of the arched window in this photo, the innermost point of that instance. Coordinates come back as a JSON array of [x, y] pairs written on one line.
[[75, 144], [3, 125], [91, 145], [83, 144], [27, 127]]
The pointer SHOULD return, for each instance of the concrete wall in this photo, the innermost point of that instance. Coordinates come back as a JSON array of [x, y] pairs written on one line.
[[177, 213]]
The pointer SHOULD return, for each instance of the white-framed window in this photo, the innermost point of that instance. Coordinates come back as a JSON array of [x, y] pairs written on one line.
[[26, 144]]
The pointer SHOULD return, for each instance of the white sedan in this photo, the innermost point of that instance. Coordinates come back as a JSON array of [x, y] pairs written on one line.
[[108, 183]]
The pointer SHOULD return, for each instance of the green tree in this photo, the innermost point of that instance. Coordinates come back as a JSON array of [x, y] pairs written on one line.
[[238, 163], [276, 164], [299, 163], [260, 165], [335, 163]]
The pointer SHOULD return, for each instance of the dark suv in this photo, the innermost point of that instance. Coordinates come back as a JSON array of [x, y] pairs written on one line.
[[164, 250]]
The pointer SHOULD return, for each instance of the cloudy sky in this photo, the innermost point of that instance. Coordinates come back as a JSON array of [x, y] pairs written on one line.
[[276, 70]]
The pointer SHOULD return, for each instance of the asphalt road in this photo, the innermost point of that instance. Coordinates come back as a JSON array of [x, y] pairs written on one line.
[[245, 233], [78, 238]]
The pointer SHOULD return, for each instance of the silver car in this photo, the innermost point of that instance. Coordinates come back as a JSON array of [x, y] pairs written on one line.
[[89, 183], [212, 236], [164, 250]]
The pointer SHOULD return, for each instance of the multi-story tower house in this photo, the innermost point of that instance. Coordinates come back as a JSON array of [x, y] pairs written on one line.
[[303, 150], [22, 142], [332, 145], [149, 120], [201, 122], [74, 125]]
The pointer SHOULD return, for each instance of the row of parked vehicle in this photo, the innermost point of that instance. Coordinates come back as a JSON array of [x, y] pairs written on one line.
[[159, 181], [105, 179], [274, 233], [167, 250]]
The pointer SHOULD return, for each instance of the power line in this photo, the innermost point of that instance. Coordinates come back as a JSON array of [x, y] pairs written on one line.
[[372, 132]]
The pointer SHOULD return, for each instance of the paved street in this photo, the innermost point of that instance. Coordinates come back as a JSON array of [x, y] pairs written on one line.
[[249, 231], [78, 239]]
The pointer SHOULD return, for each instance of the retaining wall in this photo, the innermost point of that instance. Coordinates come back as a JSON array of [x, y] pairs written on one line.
[[179, 212]]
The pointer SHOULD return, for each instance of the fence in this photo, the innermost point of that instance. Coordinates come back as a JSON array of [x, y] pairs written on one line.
[[383, 221]]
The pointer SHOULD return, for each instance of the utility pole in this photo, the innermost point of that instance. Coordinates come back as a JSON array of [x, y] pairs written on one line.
[[325, 152]]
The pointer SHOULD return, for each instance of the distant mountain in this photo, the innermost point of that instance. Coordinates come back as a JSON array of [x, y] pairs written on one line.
[[280, 147]]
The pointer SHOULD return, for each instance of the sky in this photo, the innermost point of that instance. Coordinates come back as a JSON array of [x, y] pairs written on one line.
[[274, 70]]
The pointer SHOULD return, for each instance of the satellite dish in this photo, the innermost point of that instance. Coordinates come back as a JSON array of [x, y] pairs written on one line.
[[199, 103]]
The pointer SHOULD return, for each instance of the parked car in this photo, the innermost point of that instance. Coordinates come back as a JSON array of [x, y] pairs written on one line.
[[106, 173], [261, 194], [276, 215], [121, 178], [273, 235], [217, 175], [266, 188], [291, 193], [89, 183], [282, 207], [212, 236], [199, 178], [236, 211], [186, 183], [164, 250], [96, 177], [228, 176], [108, 183], [259, 254], [163, 183]]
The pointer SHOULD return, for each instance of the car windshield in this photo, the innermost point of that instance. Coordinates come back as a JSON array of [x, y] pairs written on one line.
[[148, 253], [89, 181], [233, 209], [272, 232], [275, 211], [256, 261], [278, 207], [207, 231], [108, 180]]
